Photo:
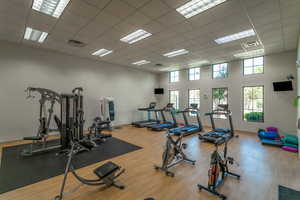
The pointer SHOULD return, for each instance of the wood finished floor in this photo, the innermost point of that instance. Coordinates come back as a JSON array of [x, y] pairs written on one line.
[[262, 168]]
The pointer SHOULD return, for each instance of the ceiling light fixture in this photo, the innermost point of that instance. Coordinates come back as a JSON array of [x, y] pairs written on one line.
[[257, 52], [50, 7], [236, 36], [176, 53], [141, 62], [195, 7], [35, 35], [136, 36], [102, 52]]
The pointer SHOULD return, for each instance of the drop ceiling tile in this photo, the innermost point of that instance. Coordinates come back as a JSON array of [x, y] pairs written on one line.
[[90, 32], [153, 27], [155, 9], [175, 3], [137, 19], [119, 9], [11, 33], [136, 3], [171, 18], [106, 19], [82, 9], [41, 21], [98, 3]]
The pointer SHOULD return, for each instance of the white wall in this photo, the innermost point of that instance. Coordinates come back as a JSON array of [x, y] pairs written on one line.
[[279, 109], [22, 66]]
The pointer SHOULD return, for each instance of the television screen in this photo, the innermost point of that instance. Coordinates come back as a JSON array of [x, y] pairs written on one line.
[[158, 90], [283, 86]]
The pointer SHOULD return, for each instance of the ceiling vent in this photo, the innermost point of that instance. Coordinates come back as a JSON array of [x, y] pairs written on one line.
[[252, 44], [76, 43], [158, 65]]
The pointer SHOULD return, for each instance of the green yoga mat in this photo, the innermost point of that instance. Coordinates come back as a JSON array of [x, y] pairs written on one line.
[[286, 193], [291, 139]]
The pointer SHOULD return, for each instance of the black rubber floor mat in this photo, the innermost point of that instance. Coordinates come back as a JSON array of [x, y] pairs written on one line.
[[17, 171], [286, 193]]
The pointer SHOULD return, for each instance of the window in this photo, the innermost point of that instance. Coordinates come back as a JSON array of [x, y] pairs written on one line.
[[174, 98], [174, 76], [194, 74], [253, 110], [219, 96], [220, 70], [254, 66], [194, 97]]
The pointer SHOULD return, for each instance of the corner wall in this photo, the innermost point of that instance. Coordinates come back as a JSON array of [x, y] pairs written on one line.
[[278, 106], [22, 66]]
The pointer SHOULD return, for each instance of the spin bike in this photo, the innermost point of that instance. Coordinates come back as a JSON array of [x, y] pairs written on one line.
[[173, 154], [218, 169]]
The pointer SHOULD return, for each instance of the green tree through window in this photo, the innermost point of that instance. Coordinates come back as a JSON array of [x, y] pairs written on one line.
[[219, 96], [253, 110]]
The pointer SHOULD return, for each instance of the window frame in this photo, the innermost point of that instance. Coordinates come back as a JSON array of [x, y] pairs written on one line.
[[170, 98], [199, 105], [243, 61], [194, 73], [243, 103], [227, 71], [212, 102], [170, 76]]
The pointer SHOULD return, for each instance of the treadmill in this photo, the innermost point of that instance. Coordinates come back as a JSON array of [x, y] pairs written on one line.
[[216, 133], [165, 124], [188, 128], [150, 109]]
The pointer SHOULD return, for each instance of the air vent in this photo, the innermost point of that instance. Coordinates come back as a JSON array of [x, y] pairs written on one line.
[[158, 65], [76, 43], [251, 44]]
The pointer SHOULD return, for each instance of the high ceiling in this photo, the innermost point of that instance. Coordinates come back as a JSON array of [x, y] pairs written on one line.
[[101, 24]]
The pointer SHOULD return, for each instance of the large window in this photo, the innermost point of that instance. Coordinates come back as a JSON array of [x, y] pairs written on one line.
[[174, 76], [254, 66], [219, 96], [174, 98], [220, 70], [194, 74], [194, 98], [253, 110]]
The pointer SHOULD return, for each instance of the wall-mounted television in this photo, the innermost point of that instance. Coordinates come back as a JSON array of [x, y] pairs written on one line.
[[159, 91], [283, 86]]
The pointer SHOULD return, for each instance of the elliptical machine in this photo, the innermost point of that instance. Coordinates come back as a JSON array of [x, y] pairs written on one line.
[[218, 169], [95, 131], [173, 154]]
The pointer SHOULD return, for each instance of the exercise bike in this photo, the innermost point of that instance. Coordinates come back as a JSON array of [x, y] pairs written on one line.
[[106, 173], [173, 154], [219, 169]]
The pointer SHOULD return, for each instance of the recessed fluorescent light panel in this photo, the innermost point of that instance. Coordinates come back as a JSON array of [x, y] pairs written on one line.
[[236, 36], [50, 7], [35, 35], [246, 54], [141, 62], [195, 7], [136, 36], [176, 53], [102, 52]]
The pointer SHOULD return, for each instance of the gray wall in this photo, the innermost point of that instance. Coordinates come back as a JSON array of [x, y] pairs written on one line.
[[279, 109], [21, 67]]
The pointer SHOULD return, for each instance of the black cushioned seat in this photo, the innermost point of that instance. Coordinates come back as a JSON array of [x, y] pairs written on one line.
[[106, 169], [33, 138]]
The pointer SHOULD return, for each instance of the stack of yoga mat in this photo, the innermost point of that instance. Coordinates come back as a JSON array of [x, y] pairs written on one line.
[[270, 136], [290, 143]]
